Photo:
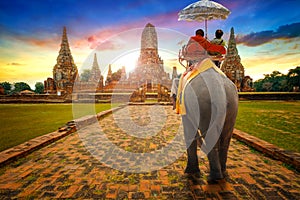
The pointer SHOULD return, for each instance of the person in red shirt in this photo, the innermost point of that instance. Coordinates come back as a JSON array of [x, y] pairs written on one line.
[[197, 49], [199, 37]]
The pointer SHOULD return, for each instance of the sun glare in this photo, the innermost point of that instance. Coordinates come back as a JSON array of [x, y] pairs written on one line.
[[128, 60]]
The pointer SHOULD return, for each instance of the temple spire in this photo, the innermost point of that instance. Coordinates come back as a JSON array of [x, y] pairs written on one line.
[[149, 69], [109, 75], [232, 65], [95, 72], [65, 47], [65, 71], [64, 37]]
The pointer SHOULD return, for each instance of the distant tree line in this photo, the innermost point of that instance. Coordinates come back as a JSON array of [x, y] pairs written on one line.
[[18, 87], [278, 82]]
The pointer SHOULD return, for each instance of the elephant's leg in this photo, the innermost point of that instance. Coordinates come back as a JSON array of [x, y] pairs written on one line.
[[227, 130], [224, 146], [190, 135], [214, 163], [192, 163]]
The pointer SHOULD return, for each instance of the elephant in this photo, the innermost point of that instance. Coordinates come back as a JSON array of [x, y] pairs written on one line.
[[211, 106]]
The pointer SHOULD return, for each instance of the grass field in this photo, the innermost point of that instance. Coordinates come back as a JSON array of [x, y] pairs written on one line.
[[21, 122], [277, 122]]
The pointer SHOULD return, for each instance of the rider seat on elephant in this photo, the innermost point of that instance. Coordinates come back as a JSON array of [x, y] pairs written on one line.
[[196, 49]]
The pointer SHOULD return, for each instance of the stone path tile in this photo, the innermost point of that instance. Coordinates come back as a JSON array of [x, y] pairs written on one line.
[[66, 169]]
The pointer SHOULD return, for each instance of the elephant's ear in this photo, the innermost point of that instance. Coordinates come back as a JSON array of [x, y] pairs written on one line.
[[216, 88]]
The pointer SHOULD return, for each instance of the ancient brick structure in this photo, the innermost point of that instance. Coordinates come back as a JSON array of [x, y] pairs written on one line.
[[149, 74], [95, 81], [49, 86], [233, 67], [96, 76], [64, 72], [2, 91], [109, 76], [150, 67]]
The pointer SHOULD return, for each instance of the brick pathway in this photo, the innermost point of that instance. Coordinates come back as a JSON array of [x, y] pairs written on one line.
[[65, 169]]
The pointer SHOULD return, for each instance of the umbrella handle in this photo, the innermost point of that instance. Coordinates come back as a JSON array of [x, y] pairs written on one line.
[[205, 28]]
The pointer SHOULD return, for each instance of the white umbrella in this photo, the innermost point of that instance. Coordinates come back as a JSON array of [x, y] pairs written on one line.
[[202, 11]]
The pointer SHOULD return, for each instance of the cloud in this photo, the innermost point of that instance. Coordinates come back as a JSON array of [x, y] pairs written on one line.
[[106, 38], [102, 41], [46, 42], [284, 32], [14, 64], [92, 38], [107, 45], [296, 46], [36, 39], [167, 19]]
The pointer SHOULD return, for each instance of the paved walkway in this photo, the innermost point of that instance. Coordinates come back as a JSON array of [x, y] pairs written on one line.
[[66, 169]]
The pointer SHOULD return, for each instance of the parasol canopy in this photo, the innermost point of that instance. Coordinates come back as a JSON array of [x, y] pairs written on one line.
[[202, 11]]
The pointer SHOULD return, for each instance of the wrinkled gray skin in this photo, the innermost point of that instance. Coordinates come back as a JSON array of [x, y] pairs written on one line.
[[211, 102]]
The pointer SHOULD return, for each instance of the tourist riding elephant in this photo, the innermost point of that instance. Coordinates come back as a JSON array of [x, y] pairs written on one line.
[[210, 102]]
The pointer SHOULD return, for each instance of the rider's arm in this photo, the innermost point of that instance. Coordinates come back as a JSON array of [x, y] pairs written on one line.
[[208, 46]]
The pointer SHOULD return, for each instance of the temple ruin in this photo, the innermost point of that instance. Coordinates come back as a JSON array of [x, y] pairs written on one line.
[[64, 72], [233, 67]]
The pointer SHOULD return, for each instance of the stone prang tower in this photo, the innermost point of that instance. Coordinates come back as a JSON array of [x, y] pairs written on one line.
[[65, 71], [149, 70], [96, 77], [95, 71], [232, 65]]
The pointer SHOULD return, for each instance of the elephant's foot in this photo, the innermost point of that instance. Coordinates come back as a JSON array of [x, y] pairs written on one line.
[[212, 181], [225, 174], [196, 175]]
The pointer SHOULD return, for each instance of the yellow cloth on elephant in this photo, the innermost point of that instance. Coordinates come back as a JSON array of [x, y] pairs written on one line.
[[185, 79]]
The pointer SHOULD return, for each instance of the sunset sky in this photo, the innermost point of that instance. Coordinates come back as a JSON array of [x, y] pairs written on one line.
[[267, 33]]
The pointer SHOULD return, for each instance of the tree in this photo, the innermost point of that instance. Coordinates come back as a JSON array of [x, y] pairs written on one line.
[[267, 86], [39, 88], [258, 85], [274, 82], [6, 86], [284, 85], [293, 77], [85, 75], [20, 86]]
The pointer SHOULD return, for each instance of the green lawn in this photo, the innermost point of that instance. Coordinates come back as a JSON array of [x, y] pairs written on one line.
[[277, 122], [21, 122]]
